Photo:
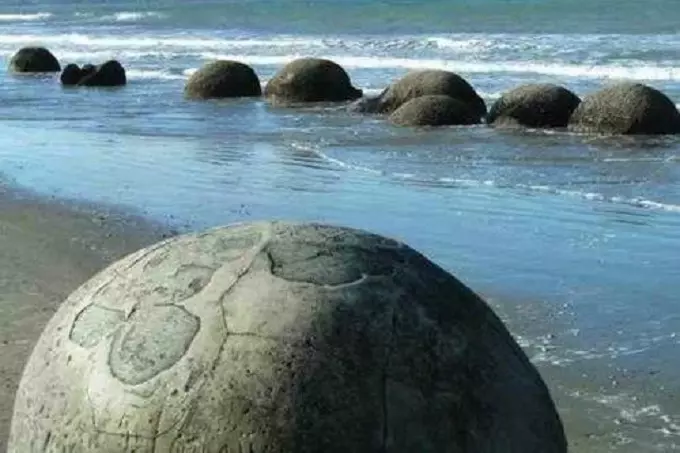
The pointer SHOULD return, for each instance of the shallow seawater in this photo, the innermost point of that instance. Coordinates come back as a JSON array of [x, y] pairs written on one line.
[[573, 239]]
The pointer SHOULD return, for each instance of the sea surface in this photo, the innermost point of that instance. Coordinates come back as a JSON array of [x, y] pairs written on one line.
[[573, 239]]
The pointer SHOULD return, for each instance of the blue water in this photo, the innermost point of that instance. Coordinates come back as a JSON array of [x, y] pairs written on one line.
[[574, 240]]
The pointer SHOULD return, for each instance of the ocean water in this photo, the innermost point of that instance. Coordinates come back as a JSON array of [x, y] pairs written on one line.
[[573, 239]]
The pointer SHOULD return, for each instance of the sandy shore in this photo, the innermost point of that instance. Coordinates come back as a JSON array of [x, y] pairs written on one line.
[[48, 248]]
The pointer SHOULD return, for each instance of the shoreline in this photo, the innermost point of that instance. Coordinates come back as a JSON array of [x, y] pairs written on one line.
[[49, 247]]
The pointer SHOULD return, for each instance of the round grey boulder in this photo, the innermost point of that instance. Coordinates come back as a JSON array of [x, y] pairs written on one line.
[[280, 338], [534, 105], [311, 80], [434, 110], [34, 59], [626, 108], [223, 79], [108, 74], [423, 83]]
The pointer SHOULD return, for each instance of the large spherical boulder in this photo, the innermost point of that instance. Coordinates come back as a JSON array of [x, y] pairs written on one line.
[[34, 59], [423, 83], [311, 80], [223, 79], [108, 74], [434, 110], [626, 108], [534, 105], [281, 338]]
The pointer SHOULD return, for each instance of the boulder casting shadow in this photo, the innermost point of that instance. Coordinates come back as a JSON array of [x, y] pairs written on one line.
[[283, 338]]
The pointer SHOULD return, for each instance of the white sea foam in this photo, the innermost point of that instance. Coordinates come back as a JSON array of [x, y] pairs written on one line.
[[636, 72], [460, 44], [353, 53], [154, 42], [153, 74], [132, 16], [24, 17]]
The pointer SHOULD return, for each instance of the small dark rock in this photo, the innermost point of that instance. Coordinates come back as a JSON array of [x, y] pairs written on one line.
[[88, 69], [71, 75], [109, 74]]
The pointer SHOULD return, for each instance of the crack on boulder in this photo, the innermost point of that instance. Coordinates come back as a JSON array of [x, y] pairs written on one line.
[[330, 266]]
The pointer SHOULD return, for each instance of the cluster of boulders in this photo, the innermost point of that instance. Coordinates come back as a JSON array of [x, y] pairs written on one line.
[[40, 60], [420, 98], [108, 74], [437, 98]]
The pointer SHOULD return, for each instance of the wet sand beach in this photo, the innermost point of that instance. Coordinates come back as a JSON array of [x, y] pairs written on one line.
[[48, 249]]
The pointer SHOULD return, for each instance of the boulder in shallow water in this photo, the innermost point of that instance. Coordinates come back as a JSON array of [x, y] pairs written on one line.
[[88, 69], [423, 83], [311, 80], [283, 338], [34, 59], [534, 105], [108, 74], [71, 75], [626, 108], [223, 79], [434, 110]]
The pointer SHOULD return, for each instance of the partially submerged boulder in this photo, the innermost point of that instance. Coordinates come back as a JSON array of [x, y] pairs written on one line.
[[626, 108], [109, 74], [71, 75], [534, 105], [434, 110], [311, 80], [282, 338], [423, 83], [223, 79], [34, 59]]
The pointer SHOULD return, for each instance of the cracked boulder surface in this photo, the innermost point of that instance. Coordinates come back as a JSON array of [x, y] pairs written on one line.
[[280, 338]]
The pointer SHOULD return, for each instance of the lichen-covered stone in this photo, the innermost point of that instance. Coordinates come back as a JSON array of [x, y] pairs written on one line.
[[280, 338]]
